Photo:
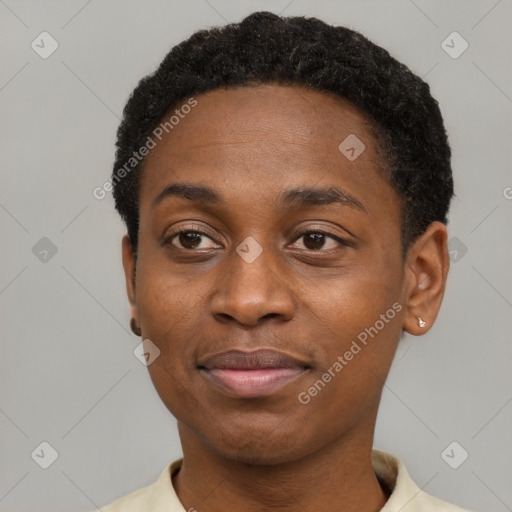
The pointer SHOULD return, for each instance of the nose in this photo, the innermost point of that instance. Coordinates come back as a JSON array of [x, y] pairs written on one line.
[[249, 293]]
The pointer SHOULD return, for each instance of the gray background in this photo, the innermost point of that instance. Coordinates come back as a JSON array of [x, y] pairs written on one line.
[[68, 375]]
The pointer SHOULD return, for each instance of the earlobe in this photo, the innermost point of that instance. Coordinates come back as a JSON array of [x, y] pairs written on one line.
[[427, 268], [134, 327], [129, 273]]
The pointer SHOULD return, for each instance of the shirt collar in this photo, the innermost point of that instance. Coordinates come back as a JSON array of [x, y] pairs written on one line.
[[405, 495]]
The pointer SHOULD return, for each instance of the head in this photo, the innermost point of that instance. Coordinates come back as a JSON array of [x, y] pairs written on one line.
[[292, 195]]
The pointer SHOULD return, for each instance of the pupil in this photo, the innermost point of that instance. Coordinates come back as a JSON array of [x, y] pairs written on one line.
[[317, 240], [190, 240]]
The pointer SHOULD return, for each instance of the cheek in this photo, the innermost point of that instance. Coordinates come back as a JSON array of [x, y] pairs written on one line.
[[353, 365], [169, 317], [358, 327], [165, 298], [349, 303], [169, 310]]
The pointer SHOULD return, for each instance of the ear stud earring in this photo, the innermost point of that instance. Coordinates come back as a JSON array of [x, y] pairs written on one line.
[[421, 322]]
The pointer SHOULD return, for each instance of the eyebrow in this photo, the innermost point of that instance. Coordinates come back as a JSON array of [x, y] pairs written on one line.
[[295, 198]]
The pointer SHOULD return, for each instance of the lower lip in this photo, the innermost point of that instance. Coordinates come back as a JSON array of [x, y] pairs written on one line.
[[254, 383]]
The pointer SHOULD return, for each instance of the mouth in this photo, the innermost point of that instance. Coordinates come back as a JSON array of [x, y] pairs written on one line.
[[252, 374]]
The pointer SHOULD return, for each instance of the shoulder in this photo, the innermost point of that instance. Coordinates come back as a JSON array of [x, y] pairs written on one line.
[[136, 500], [405, 495], [157, 497]]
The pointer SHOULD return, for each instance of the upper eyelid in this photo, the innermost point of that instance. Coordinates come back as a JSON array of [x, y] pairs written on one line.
[[338, 239], [172, 236]]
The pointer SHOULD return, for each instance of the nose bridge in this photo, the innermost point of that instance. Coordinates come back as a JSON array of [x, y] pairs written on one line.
[[250, 268], [251, 287]]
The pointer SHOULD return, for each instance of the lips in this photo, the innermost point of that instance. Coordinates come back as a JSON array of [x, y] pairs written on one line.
[[255, 360], [252, 374]]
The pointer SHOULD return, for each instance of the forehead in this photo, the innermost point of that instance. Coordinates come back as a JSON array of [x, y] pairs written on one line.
[[265, 137]]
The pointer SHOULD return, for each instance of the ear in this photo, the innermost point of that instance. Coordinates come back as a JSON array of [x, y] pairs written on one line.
[[426, 271], [129, 273]]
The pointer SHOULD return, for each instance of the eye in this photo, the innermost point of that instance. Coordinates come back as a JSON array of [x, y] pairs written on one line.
[[191, 239], [317, 240]]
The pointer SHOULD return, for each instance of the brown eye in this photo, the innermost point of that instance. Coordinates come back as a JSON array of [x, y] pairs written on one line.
[[190, 240], [314, 241], [318, 240]]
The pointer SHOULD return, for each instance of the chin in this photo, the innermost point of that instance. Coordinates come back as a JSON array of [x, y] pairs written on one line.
[[263, 456], [258, 448]]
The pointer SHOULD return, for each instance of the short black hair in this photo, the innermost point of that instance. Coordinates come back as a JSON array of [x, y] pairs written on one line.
[[267, 48]]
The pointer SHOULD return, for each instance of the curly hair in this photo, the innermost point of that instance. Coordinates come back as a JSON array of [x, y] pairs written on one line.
[[267, 48]]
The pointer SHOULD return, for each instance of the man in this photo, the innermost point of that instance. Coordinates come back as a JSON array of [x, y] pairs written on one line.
[[285, 186]]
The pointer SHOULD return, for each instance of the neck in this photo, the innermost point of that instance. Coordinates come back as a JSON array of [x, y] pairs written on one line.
[[339, 476]]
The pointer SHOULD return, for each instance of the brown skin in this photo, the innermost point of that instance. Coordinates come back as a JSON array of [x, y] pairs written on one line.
[[250, 145]]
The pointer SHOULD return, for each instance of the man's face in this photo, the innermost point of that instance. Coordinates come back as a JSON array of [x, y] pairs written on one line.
[[324, 272]]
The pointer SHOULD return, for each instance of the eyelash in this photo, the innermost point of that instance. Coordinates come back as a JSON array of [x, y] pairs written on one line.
[[341, 241]]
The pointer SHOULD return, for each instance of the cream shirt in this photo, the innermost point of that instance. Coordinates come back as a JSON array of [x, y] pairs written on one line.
[[406, 496]]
